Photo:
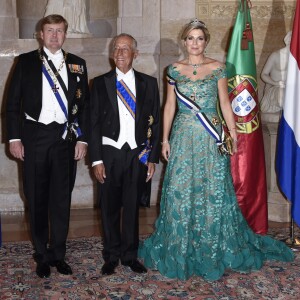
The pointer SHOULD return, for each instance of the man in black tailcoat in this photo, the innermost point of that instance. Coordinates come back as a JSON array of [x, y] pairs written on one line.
[[46, 127], [124, 147]]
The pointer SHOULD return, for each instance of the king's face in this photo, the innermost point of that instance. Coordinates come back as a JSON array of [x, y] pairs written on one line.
[[53, 36]]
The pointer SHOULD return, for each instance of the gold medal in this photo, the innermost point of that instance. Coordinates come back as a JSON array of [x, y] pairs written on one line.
[[151, 120], [76, 68], [215, 121], [78, 93], [149, 133]]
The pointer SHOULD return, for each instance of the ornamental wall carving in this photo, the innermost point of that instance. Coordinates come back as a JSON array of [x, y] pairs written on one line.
[[260, 9]]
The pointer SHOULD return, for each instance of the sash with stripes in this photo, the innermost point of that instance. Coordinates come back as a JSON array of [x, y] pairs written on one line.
[[129, 100], [201, 116], [69, 129], [144, 154], [57, 75], [127, 97]]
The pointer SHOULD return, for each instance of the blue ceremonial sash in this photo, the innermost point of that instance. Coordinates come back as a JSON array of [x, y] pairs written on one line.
[[144, 154], [57, 95], [129, 100], [73, 127], [192, 105], [127, 97]]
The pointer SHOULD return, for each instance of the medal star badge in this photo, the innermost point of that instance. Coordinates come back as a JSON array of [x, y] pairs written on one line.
[[151, 120], [74, 109], [149, 133], [78, 93], [215, 121]]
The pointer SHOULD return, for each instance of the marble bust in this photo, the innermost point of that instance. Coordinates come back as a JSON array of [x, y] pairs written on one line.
[[74, 11], [274, 75]]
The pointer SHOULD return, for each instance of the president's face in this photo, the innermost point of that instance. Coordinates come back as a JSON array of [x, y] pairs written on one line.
[[124, 53], [53, 36]]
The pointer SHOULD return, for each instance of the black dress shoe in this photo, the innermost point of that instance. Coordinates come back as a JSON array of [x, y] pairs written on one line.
[[109, 267], [135, 266], [62, 267], [42, 270]]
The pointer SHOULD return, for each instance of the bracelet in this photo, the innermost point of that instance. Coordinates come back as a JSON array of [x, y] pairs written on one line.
[[164, 142], [233, 128]]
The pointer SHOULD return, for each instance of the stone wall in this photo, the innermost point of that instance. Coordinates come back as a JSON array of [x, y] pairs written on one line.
[[156, 24]]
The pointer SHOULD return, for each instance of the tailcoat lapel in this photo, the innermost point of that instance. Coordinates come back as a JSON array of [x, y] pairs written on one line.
[[34, 71], [72, 84], [110, 83], [140, 86]]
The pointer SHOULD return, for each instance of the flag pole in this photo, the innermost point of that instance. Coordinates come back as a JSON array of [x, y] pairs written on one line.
[[293, 242]]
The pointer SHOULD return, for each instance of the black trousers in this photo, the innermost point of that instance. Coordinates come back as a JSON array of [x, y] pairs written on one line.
[[119, 202], [48, 178]]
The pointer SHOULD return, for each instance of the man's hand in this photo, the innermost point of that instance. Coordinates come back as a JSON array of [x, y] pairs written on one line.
[[99, 172], [80, 151], [16, 149], [151, 170]]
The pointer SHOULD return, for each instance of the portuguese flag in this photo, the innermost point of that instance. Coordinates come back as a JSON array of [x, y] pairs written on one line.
[[248, 164]]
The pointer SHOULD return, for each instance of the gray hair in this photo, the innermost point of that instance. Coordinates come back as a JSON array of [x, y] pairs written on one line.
[[134, 42]]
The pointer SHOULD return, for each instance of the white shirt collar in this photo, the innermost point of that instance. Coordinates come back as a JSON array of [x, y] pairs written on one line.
[[57, 55], [129, 75]]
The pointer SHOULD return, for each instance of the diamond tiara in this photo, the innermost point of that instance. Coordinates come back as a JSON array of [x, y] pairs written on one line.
[[198, 22]]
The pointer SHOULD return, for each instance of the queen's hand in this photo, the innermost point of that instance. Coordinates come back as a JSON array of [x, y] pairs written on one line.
[[166, 150]]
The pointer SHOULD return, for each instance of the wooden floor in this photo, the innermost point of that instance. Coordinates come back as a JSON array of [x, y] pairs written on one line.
[[83, 223]]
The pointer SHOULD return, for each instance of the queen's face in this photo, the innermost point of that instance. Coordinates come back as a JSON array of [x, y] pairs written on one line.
[[195, 42]]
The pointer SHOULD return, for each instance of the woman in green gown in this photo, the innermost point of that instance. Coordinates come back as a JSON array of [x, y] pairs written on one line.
[[201, 230]]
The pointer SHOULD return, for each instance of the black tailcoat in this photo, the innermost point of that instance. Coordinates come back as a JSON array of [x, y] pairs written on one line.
[[49, 165], [125, 174]]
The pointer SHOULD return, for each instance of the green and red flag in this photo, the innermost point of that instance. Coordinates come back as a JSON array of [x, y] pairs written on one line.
[[248, 164]]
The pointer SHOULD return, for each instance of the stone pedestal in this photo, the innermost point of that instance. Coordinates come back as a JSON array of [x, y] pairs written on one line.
[[278, 206], [271, 118]]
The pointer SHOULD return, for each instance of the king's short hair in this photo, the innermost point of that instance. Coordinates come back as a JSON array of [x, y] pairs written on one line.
[[53, 19]]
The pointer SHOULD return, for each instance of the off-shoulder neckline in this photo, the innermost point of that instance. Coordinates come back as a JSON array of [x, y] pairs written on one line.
[[218, 69]]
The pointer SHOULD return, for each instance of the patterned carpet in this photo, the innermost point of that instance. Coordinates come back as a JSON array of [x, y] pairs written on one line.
[[18, 279]]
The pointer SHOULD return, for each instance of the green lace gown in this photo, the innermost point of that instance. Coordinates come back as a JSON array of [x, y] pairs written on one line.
[[200, 230]]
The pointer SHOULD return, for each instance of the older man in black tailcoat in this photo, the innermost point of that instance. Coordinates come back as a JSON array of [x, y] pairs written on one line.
[[124, 148]]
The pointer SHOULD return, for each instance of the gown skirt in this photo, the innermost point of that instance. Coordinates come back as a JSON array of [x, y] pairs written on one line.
[[201, 230]]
